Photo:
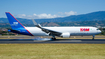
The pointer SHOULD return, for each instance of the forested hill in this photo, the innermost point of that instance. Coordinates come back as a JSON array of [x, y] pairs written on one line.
[[94, 16], [84, 17]]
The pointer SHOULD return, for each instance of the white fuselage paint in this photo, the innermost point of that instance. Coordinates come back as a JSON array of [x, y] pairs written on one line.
[[74, 31]]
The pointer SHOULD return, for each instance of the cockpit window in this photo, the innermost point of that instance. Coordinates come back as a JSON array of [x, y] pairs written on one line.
[[97, 29]]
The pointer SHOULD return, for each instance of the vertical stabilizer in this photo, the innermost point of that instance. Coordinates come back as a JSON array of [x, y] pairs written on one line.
[[13, 21], [16, 26]]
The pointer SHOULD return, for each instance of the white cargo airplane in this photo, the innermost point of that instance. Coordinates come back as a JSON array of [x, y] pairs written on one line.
[[64, 32]]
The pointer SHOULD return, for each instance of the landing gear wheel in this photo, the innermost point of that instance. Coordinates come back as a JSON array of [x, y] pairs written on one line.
[[53, 38], [93, 37]]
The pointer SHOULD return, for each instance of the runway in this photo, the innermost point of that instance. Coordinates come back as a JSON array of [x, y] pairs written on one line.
[[58, 41]]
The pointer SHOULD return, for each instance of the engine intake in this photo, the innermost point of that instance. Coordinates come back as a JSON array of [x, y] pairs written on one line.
[[65, 35]]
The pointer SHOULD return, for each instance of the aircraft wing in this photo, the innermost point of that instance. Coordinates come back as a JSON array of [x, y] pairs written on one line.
[[48, 31]]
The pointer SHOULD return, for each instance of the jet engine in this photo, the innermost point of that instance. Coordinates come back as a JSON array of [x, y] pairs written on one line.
[[65, 35]]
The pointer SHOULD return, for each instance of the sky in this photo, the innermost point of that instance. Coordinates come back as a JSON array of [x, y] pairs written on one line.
[[42, 9]]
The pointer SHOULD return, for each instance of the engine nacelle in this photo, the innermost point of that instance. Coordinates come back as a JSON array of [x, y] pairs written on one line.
[[65, 35]]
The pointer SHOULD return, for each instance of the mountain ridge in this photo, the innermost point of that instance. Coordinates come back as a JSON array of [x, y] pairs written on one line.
[[100, 15]]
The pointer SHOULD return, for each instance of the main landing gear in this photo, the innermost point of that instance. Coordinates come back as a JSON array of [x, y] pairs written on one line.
[[53, 38], [93, 37]]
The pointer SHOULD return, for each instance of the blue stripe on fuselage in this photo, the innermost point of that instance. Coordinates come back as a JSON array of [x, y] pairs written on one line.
[[21, 31]]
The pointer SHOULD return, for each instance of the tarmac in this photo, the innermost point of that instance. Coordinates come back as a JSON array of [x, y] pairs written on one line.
[[73, 40], [62, 41]]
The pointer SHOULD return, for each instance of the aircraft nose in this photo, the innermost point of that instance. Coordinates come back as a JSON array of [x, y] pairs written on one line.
[[99, 31]]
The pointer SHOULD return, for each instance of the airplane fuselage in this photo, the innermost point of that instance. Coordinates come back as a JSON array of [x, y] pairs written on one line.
[[17, 27], [74, 31]]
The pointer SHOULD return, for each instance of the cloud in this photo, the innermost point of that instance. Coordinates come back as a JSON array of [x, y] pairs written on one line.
[[70, 13], [35, 16], [45, 16], [21, 15]]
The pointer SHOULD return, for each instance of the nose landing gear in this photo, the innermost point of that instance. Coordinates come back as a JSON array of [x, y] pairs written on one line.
[[93, 37]]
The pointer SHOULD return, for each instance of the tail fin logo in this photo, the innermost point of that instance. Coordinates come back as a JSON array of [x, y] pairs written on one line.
[[14, 24]]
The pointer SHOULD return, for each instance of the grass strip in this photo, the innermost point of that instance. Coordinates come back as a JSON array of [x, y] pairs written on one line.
[[52, 51]]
